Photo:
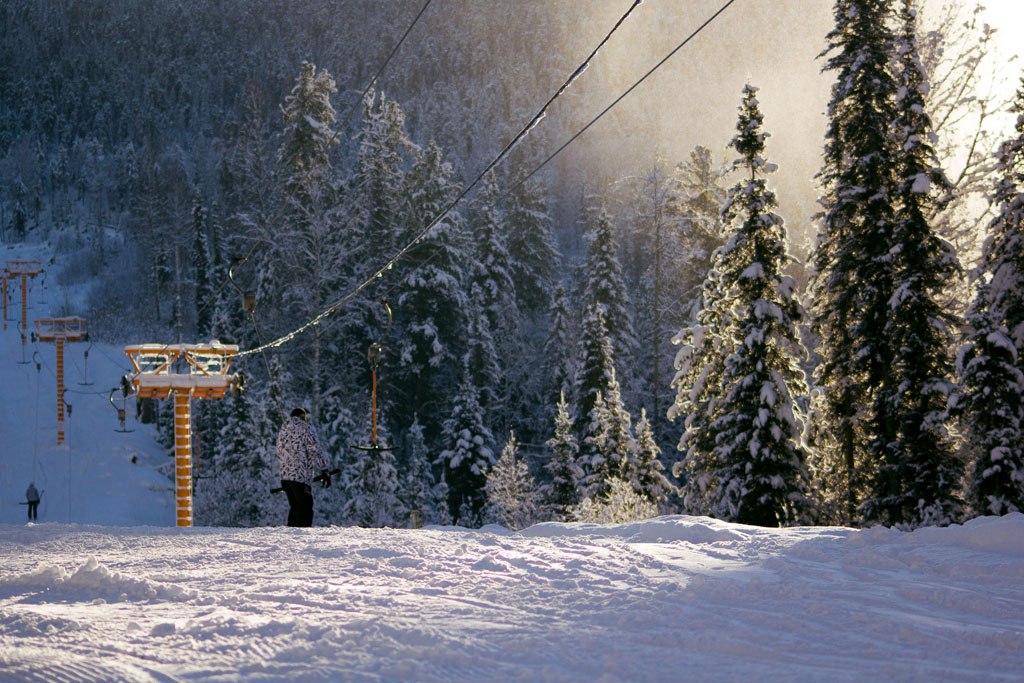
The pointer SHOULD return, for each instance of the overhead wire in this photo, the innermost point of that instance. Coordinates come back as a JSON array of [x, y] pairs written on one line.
[[534, 121], [626, 93]]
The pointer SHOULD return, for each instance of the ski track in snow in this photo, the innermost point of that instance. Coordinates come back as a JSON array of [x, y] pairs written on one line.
[[677, 598]]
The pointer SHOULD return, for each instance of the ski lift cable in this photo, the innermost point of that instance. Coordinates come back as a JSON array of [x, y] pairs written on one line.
[[379, 273], [626, 93]]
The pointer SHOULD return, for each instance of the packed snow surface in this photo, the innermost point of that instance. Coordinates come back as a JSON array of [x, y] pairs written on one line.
[[670, 599]]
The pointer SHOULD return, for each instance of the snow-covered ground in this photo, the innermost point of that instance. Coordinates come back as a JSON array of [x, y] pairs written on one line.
[[103, 588], [671, 599]]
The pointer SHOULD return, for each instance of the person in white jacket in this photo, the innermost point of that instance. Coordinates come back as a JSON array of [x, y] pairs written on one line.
[[32, 497], [300, 458]]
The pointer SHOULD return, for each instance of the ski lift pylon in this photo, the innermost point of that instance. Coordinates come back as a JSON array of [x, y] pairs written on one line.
[[184, 372], [374, 355]]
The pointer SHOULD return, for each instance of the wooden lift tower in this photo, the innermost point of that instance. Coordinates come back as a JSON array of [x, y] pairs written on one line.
[[59, 331], [184, 372], [24, 269]]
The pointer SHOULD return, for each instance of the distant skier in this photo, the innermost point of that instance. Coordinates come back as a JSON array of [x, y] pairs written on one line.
[[32, 496], [300, 458]]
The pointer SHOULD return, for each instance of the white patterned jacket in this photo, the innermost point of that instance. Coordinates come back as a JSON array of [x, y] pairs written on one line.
[[298, 452]]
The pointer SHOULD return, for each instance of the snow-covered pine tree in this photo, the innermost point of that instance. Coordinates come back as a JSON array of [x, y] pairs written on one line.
[[467, 455], [620, 504], [376, 185], [307, 140], [531, 246], [700, 365], [605, 286], [416, 478], [596, 366], [306, 257], [492, 267], [563, 492], [373, 493], [481, 358], [430, 315], [918, 474], [608, 444], [1004, 253], [991, 409], [559, 366], [990, 360], [758, 426], [512, 497], [853, 280], [644, 470], [201, 268], [695, 207]]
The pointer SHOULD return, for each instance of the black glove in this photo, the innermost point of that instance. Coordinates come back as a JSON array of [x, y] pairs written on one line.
[[325, 479]]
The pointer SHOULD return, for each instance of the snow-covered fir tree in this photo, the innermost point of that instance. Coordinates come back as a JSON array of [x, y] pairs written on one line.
[[233, 488], [991, 406], [608, 443], [644, 469], [700, 366], [416, 479], [854, 280], [201, 268], [917, 474], [492, 267], [512, 497], [373, 494], [605, 286], [595, 366], [531, 246], [758, 453], [620, 504], [481, 358], [467, 455], [563, 491], [992, 411], [430, 315], [559, 359]]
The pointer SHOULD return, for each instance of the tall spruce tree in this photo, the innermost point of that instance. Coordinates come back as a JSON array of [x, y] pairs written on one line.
[[917, 475], [644, 469], [563, 492], [608, 444], [606, 287], [430, 315], [990, 360], [757, 428], [854, 279], [512, 497], [467, 455]]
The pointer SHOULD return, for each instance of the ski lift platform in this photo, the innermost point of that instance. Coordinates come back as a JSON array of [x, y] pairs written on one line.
[[68, 329], [198, 370], [29, 267]]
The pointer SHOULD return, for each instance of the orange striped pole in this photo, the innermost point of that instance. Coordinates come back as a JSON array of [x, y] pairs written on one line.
[[60, 389], [24, 310], [183, 457]]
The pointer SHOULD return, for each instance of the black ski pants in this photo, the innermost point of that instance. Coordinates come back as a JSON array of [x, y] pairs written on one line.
[[300, 502], [33, 509]]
